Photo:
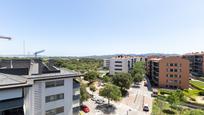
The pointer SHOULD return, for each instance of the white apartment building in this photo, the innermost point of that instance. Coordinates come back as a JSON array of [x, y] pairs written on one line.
[[51, 91], [106, 63], [123, 63]]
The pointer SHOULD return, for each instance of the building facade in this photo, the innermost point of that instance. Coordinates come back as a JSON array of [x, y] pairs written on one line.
[[196, 63], [106, 63], [123, 64], [169, 72], [52, 92]]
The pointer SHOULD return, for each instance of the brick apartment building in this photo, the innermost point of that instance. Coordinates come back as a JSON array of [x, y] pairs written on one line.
[[196, 63], [169, 72]]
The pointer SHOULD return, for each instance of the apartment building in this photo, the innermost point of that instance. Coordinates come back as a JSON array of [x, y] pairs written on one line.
[[169, 72], [123, 63], [196, 63], [106, 63], [50, 91]]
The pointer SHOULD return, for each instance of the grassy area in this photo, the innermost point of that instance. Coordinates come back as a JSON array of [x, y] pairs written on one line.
[[163, 108], [197, 84]]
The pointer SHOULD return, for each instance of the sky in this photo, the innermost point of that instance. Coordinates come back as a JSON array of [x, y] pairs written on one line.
[[101, 27]]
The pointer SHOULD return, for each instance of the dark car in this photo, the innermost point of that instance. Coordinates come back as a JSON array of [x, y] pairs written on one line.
[[146, 108]]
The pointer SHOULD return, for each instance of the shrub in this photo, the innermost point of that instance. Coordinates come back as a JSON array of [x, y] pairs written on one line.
[[201, 93], [93, 88], [164, 91]]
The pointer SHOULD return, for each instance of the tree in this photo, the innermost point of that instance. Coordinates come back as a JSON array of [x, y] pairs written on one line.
[[91, 76], [138, 71], [111, 92], [175, 98], [84, 96], [93, 88], [122, 80], [106, 79], [137, 77]]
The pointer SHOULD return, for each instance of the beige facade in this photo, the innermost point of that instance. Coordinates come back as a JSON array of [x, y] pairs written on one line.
[[169, 72]]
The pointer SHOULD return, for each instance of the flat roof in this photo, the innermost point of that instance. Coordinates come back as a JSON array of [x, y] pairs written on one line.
[[10, 81], [13, 81], [64, 73]]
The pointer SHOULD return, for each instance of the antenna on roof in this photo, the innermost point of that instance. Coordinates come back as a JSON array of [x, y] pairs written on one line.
[[38, 52]]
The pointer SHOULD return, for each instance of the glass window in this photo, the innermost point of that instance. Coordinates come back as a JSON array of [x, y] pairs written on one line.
[[54, 97], [60, 83], [50, 84], [55, 111]]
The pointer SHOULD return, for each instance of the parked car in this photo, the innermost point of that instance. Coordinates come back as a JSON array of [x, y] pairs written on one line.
[[85, 108], [146, 107], [100, 101], [154, 93], [93, 98]]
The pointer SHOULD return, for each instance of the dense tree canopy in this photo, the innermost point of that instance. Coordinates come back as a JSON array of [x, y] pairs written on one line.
[[111, 92], [81, 64], [138, 71], [91, 76], [122, 80], [84, 96]]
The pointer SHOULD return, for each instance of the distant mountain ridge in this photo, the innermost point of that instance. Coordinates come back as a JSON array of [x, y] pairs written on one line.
[[145, 55]]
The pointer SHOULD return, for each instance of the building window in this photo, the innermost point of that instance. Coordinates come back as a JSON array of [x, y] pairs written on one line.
[[118, 65], [118, 61], [176, 64], [54, 97], [179, 76], [57, 83], [55, 111], [76, 97], [171, 76], [175, 75], [171, 70], [167, 75], [117, 69], [171, 64], [76, 109], [175, 70], [180, 70]]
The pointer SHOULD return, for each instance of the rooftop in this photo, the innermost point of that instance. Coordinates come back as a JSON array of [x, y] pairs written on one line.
[[9, 81], [10, 77], [195, 53]]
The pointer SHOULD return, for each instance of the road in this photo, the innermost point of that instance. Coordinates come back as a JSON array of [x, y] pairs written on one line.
[[130, 105]]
